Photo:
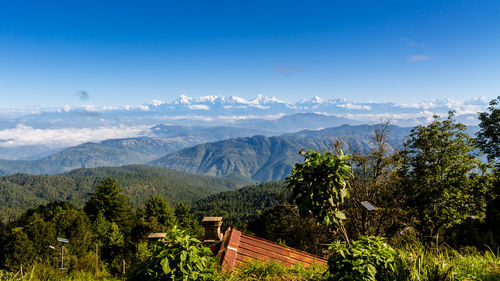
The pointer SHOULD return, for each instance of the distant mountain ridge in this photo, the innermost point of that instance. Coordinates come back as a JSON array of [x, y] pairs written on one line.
[[118, 152], [269, 158], [218, 110]]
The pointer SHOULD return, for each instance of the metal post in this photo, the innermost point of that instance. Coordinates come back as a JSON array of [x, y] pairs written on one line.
[[62, 256], [96, 260]]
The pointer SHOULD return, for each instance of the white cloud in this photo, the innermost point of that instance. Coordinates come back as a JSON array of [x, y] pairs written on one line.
[[354, 106], [199, 107], [24, 135]]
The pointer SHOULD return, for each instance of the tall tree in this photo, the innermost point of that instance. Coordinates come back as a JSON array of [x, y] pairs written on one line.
[[375, 181], [443, 178], [488, 137], [158, 209], [187, 221], [109, 200]]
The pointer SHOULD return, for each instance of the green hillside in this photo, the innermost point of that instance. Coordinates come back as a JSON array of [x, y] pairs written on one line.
[[22, 191], [260, 158], [238, 207]]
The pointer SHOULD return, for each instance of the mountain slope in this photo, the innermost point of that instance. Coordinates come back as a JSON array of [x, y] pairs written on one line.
[[260, 158], [118, 152], [114, 152], [21, 191], [270, 158]]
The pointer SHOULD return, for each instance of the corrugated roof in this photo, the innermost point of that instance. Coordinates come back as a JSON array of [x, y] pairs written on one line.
[[239, 248]]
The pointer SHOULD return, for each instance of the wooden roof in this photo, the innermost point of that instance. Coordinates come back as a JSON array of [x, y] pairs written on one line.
[[239, 248]]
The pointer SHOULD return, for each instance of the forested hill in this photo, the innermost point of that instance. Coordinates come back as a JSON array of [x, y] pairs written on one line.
[[22, 191], [260, 158], [238, 207], [271, 158]]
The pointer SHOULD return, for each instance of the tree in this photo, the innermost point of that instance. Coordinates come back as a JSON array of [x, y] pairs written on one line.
[[320, 185], [109, 199], [187, 221], [375, 181], [488, 137], [159, 214], [282, 223], [442, 176], [16, 249]]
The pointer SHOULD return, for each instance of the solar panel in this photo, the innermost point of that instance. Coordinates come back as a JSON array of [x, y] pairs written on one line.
[[368, 206]]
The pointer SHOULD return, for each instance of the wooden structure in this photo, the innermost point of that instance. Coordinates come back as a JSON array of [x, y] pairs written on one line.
[[238, 248], [157, 236]]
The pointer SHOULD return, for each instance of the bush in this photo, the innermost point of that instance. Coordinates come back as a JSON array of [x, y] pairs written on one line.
[[177, 257], [369, 258]]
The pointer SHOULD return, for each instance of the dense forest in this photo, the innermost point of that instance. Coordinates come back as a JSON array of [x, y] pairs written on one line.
[[436, 193], [22, 191]]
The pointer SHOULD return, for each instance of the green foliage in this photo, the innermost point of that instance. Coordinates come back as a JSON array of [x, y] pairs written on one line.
[[488, 137], [109, 200], [177, 257], [266, 271], [16, 249], [448, 264], [159, 214], [368, 258], [258, 158], [239, 207], [320, 185], [187, 221], [375, 181], [20, 192], [282, 223], [443, 178]]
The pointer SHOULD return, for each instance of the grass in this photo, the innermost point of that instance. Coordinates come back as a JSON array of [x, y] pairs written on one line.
[[42, 272], [257, 271], [417, 264], [449, 264]]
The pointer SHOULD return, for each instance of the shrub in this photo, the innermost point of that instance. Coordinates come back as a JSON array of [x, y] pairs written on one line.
[[177, 257], [369, 258]]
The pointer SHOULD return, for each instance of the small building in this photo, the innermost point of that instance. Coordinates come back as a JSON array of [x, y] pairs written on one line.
[[235, 248]]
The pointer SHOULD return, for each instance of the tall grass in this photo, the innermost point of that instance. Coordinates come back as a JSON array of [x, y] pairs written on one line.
[[417, 263], [43, 272], [449, 264]]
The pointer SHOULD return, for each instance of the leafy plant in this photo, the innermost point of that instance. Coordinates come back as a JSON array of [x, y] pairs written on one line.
[[177, 257], [320, 185], [368, 258]]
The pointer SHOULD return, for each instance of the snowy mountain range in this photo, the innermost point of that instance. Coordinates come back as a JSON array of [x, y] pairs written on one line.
[[56, 128]]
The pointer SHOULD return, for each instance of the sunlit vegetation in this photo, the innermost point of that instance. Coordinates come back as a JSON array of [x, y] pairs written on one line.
[[435, 216]]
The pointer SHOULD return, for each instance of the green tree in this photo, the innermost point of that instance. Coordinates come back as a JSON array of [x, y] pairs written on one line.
[[283, 224], [109, 199], [375, 181], [488, 137], [320, 185], [442, 176], [187, 221], [159, 214], [16, 249]]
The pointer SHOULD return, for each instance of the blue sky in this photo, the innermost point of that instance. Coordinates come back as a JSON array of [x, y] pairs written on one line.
[[130, 52]]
